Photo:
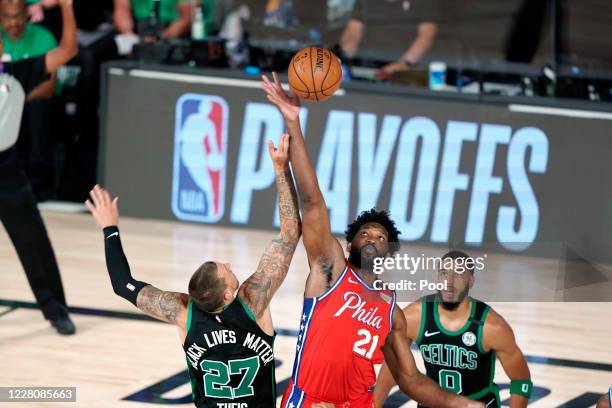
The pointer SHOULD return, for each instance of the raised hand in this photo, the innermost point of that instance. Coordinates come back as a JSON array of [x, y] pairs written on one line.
[[280, 155], [104, 209], [288, 105]]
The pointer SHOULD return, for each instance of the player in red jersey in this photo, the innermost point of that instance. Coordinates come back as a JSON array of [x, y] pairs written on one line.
[[344, 321]]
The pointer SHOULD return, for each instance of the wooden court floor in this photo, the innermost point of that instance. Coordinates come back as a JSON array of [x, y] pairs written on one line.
[[118, 359]]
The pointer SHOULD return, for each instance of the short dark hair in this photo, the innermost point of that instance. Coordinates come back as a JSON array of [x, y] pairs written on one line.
[[379, 217], [456, 254], [206, 287]]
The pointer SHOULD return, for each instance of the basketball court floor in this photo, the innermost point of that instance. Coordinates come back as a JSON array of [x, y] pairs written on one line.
[[118, 358]]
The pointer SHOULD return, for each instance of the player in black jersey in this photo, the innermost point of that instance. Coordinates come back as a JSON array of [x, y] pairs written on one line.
[[460, 338], [227, 338]]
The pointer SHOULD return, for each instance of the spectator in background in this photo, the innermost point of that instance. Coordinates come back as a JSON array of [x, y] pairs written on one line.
[[23, 40], [382, 21], [75, 122], [175, 15]]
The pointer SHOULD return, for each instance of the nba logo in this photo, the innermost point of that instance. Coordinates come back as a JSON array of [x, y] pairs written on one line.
[[200, 156]]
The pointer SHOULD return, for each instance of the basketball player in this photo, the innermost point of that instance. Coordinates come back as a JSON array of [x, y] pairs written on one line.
[[460, 337], [227, 339], [344, 321]]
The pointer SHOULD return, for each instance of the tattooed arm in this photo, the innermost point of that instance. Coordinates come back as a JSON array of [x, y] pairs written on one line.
[[162, 305], [170, 307], [258, 289]]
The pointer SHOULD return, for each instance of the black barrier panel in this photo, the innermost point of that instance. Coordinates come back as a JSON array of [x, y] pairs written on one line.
[[193, 147]]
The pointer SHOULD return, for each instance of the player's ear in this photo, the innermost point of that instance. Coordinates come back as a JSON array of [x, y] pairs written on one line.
[[228, 296], [348, 247]]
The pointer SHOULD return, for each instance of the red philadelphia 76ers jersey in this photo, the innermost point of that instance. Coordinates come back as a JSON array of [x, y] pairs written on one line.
[[340, 339]]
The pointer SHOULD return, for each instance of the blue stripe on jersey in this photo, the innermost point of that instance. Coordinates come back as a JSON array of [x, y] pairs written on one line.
[[335, 285], [295, 398], [610, 396], [307, 313], [391, 313]]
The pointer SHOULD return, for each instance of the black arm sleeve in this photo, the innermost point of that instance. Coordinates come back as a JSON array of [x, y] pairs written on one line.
[[118, 268]]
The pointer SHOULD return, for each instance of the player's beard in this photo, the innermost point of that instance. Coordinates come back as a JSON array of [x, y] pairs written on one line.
[[450, 306], [361, 262]]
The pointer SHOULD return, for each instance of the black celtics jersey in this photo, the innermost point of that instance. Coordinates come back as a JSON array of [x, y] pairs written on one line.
[[456, 360], [230, 360]]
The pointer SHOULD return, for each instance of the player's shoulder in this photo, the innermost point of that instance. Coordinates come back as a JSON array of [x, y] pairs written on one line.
[[495, 321], [498, 334]]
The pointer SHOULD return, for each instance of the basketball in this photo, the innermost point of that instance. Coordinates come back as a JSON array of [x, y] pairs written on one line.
[[314, 73]]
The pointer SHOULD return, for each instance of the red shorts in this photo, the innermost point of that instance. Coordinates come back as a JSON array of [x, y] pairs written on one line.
[[296, 398]]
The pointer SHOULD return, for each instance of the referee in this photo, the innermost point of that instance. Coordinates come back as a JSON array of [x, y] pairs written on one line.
[[18, 211]]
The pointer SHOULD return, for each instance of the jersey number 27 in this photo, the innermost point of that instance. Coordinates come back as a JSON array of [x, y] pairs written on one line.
[[217, 377]]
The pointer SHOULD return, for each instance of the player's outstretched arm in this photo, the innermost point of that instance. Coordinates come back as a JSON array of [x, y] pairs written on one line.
[[324, 251], [67, 47], [169, 307], [417, 386], [258, 289], [498, 336]]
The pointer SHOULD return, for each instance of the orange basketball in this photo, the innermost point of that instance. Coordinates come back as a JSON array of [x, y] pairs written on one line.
[[314, 73]]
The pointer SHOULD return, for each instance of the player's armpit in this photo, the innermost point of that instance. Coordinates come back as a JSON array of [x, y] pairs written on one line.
[[325, 255], [498, 336], [169, 307]]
